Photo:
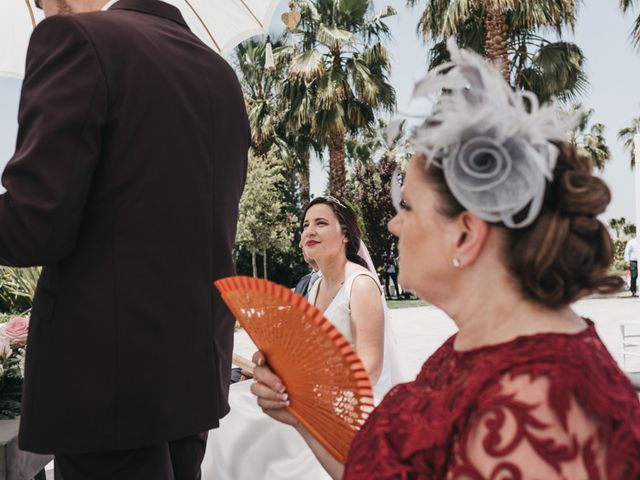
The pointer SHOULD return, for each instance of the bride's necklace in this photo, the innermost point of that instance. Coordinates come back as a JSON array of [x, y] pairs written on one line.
[[332, 298]]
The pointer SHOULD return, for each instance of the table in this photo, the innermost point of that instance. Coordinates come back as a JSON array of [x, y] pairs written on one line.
[[16, 464]]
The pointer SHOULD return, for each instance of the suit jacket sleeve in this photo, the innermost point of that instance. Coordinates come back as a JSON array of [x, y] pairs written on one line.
[[62, 110]]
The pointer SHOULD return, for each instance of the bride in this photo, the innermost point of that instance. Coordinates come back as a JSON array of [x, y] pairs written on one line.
[[249, 444]]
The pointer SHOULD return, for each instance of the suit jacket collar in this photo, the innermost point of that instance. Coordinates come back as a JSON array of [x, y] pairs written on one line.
[[151, 7]]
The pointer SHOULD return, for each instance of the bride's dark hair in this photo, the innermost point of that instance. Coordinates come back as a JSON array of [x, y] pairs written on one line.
[[347, 220]]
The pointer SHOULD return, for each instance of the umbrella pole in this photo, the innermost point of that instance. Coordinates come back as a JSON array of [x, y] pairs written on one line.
[[203, 24], [33, 17]]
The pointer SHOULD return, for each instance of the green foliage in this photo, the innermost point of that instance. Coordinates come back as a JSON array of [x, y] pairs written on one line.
[[338, 76], [589, 139], [617, 225], [11, 380], [263, 223], [547, 68], [618, 254], [629, 229], [17, 287], [374, 157], [626, 136], [635, 31], [10, 397], [447, 16]]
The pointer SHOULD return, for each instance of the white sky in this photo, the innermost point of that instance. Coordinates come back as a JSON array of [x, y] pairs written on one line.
[[602, 32]]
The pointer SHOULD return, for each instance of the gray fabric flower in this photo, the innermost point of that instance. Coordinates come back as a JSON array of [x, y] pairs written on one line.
[[493, 143]]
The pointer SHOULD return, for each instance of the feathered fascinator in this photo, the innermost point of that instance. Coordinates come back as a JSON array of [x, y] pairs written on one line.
[[493, 143]]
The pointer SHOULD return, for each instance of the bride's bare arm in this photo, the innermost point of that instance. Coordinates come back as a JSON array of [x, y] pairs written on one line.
[[367, 323], [273, 399]]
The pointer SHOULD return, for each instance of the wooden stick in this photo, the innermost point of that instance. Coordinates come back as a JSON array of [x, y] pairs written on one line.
[[243, 363]]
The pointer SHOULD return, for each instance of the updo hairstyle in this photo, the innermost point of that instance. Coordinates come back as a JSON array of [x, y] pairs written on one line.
[[566, 253]]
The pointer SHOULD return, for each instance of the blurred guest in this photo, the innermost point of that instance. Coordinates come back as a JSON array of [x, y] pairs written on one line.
[[390, 274], [631, 258], [304, 285]]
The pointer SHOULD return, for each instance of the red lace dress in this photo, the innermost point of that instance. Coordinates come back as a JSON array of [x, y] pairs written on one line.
[[547, 406]]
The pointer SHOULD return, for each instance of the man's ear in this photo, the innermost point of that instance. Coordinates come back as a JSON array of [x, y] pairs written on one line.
[[472, 237]]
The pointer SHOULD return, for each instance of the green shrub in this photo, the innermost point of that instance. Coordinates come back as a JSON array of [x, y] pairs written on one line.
[[618, 254], [17, 287]]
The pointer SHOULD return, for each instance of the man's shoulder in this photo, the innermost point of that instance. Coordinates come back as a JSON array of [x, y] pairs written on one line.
[[56, 24], [79, 25], [61, 31]]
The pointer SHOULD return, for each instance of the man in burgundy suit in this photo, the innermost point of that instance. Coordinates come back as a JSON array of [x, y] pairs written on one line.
[[125, 183]]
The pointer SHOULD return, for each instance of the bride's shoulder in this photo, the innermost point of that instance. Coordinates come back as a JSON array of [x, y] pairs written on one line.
[[359, 278], [353, 269]]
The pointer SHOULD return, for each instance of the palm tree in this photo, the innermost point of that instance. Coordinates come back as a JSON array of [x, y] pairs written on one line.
[[376, 142], [338, 75], [617, 224], [302, 144], [499, 29], [262, 93], [595, 146], [629, 229], [589, 139], [635, 31], [627, 134]]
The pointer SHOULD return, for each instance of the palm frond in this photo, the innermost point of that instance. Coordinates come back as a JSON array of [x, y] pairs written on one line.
[[307, 65], [335, 38], [635, 33], [351, 12], [557, 69], [17, 288], [626, 5], [376, 54], [360, 115], [333, 88], [627, 135], [329, 122], [385, 12]]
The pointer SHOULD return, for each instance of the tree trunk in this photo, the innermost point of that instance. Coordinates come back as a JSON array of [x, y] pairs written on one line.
[[264, 263], [337, 174], [254, 264], [305, 180], [495, 44]]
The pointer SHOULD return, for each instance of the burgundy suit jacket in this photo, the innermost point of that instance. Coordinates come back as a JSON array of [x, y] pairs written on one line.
[[125, 184]]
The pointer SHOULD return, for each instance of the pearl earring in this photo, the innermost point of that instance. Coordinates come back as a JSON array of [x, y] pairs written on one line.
[[456, 262]]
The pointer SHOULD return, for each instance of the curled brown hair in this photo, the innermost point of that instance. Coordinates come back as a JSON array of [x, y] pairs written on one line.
[[348, 222], [566, 252]]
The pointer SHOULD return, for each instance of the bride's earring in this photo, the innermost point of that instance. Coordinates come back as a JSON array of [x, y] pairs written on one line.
[[456, 262]]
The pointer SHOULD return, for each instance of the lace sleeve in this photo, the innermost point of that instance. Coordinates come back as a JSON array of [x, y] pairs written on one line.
[[521, 429]]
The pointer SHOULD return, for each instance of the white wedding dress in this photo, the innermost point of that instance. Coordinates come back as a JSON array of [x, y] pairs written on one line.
[[250, 445]]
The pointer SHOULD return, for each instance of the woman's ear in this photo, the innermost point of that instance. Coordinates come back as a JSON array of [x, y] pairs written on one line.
[[472, 237]]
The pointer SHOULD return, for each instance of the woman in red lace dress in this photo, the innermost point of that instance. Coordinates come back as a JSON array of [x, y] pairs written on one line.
[[498, 227]]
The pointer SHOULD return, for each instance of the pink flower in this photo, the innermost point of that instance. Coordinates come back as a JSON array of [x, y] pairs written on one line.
[[17, 329]]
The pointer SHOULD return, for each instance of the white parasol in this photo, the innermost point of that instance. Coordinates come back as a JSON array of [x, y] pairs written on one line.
[[221, 24]]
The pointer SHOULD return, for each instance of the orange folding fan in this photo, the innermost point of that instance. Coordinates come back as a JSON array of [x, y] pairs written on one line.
[[328, 387]]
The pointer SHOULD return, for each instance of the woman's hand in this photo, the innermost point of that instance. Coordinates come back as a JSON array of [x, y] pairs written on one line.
[[271, 392], [272, 398]]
